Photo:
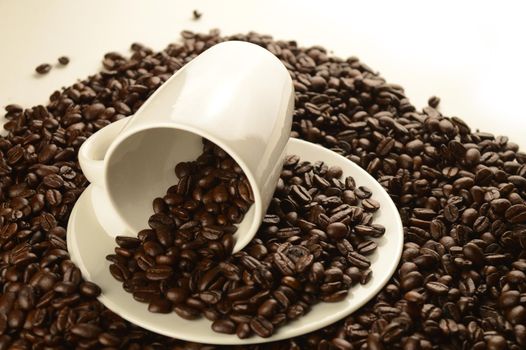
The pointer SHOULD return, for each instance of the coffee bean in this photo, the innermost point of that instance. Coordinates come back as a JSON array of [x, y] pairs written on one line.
[[186, 312], [43, 68], [90, 289], [358, 260], [474, 253], [261, 326], [385, 146], [160, 306], [243, 330], [177, 295], [268, 308], [516, 214], [367, 247], [63, 60], [159, 273], [437, 287], [370, 204], [363, 192], [86, 330], [224, 326], [337, 230], [472, 156]]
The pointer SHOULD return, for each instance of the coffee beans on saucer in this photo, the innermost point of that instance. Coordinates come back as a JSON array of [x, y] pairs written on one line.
[[476, 252], [312, 246]]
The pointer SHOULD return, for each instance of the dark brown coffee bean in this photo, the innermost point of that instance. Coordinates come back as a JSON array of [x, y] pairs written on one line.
[[89, 289], [177, 295], [363, 192], [336, 230], [53, 181], [243, 330], [160, 306], [262, 327], [43, 68], [385, 146], [367, 247], [86, 330], [516, 214], [358, 260], [370, 204], [224, 326], [509, 299], [437, 287], [268, 308], [159, 273], [474, 253], [127, 242], [245, 191], [63, 60], [186, 312], [451, 213]]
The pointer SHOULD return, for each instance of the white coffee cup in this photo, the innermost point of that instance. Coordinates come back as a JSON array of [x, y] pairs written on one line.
[[235, 94]]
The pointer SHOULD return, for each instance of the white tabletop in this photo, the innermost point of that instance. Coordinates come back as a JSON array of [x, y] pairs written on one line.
[[471, 54]]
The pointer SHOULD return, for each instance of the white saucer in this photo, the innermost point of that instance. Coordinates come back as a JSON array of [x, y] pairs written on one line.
[[88, 245]]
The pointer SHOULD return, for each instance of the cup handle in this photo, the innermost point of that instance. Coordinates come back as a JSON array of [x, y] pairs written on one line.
[[93, 151]]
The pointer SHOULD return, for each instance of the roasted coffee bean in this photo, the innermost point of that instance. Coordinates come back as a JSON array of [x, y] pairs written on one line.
[[86, 330], [437, 287], [90, 289], [367, 247], [262, 327], [224, 326], [186, 312], [243, 330], [43, 68], [337, 230], [63, 60], [160, 306], [516, 214], [358, 260], [363, 192], [177, 295]]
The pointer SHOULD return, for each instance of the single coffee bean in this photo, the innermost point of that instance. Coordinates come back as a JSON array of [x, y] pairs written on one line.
[[224, 326], [43, 68], [516, 214], [261, 326], [186, 312], [86, 330], [63, 60], [437, 287], [337, 230], [160, 306], [177, 295]]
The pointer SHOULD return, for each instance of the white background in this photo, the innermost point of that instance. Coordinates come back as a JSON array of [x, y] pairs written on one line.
[[471, 54]]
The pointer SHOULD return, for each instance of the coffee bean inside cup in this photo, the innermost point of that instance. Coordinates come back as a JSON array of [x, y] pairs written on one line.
[[311, 246]]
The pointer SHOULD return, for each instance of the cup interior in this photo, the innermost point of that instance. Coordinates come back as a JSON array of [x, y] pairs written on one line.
[[141, 168]]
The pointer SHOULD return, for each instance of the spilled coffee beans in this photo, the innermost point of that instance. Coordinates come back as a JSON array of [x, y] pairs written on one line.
[[342, 104], [311, 247]]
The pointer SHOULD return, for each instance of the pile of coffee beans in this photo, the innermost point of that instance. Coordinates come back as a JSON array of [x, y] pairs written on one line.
[[312, 245], [461, 194]]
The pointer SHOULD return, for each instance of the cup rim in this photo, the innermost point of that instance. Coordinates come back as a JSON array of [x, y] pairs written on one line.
[[241, 241]]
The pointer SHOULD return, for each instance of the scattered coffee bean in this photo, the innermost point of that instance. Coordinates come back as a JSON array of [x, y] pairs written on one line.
[[44, 68], [63, 60], [196, 15]]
